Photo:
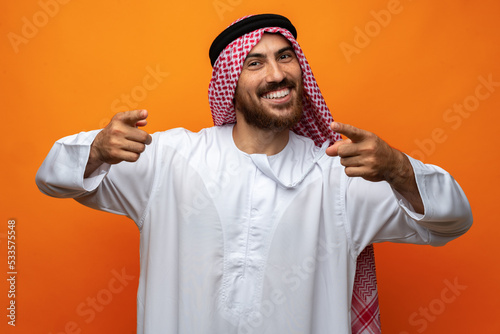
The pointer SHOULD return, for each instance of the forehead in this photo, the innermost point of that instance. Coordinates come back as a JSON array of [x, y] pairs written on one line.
[[270, 43]]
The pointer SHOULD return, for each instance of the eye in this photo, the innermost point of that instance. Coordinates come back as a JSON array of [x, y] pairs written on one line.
[[253, 64], [285, 57]]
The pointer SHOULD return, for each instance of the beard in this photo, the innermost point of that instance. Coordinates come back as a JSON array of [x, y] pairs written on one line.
[[255, 112]]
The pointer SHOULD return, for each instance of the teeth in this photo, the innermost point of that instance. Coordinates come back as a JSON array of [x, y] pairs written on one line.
[[278, 94]]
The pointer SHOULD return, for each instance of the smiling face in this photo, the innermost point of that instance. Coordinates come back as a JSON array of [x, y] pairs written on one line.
[[269, 90]]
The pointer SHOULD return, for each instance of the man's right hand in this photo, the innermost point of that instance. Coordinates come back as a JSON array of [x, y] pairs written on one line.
[[121, 140]]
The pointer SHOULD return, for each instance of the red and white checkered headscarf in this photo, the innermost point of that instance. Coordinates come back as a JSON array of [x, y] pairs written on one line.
[[316, 120], [315, 124]]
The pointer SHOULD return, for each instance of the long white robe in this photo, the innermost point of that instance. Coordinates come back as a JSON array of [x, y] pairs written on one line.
[[240, 243]]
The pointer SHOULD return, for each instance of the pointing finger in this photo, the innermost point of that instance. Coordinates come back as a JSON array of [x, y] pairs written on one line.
[[351, 132]]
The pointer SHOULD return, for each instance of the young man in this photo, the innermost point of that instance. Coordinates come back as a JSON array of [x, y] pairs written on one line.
[[249, 227]]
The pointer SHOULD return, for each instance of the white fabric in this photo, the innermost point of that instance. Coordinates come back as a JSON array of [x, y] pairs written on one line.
[[239, 243]]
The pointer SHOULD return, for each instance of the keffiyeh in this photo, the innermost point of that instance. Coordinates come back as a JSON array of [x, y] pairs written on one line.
[[316, 120], [227, 61]]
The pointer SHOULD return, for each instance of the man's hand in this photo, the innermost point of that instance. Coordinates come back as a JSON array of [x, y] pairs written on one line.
[[120, 140], [364, 154]]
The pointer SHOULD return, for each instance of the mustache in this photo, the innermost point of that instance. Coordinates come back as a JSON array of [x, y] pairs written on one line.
[[285, 83]]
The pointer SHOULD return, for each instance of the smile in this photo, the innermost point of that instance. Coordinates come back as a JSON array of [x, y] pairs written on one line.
[[277, 94]]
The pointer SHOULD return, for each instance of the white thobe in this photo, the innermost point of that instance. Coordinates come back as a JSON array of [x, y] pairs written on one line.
[[247, 243]]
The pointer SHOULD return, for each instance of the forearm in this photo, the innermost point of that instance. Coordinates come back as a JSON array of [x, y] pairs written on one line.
[[402, 179], [428, 194]]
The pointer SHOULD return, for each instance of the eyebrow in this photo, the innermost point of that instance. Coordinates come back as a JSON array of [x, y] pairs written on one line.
[[261, 55]]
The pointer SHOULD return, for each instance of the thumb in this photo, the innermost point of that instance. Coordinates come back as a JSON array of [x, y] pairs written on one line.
[[334, 149], [134, 117]]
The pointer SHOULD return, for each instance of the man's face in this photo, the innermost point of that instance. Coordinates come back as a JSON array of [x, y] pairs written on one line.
[[269, 90]]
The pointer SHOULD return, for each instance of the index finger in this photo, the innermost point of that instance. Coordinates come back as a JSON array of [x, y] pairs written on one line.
[[351, 132]]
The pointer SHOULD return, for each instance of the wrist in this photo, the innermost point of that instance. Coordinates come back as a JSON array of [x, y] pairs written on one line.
[[93, 161], [402, 179], [400, 172]]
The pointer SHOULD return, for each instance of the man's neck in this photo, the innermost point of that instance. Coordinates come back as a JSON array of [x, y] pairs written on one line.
[[252, 140]]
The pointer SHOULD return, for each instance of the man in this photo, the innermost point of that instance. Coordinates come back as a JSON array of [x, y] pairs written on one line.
[[248, 227]]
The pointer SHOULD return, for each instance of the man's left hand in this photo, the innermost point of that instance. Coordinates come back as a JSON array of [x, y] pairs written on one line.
[[364, 154]]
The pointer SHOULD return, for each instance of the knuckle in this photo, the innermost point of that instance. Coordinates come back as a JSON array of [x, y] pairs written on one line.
[[371, 145], [118, 116], [116, 130], [113, 142], [112, 126], [371, 160], [370, 150]]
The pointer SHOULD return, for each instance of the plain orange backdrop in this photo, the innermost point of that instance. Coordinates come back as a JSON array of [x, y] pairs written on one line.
[[67, 66]]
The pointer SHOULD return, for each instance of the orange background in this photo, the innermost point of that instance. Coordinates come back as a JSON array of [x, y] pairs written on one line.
[[69, 73]]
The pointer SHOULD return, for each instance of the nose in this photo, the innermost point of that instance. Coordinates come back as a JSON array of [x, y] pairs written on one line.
[[274, 72]]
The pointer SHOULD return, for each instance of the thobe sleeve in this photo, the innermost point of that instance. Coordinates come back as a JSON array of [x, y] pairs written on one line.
[[123, 188], [375, 212]]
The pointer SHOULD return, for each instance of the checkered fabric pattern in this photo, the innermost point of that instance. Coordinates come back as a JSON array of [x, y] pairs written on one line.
[[365, 313]]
